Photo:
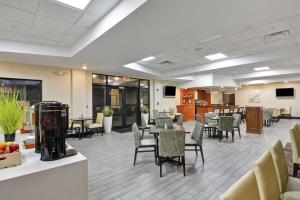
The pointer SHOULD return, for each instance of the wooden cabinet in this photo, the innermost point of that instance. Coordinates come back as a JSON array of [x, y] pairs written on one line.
[[254, 120], [188, 111]]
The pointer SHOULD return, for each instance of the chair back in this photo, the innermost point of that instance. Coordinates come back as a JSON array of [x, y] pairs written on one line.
[[180, 120], [199, 118], [295, 140], [280, 165], [160, 123], [155, 113], [171, 143], [99, 118], [276, 112], [235, 110], [172, 111], [226, 123], [209, 116], [143, 120], [245, 188], [241, 110], [137, 135], [226, 110], [237, 119], [197, 133], [266, 177], [217, 110]]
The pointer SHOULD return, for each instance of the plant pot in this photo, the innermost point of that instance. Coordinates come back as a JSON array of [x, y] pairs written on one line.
[[146, 117], [107, 124], [9, 137]]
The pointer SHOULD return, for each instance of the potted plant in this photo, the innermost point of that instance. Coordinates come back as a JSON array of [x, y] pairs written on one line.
[[12, 114], [107, 113], [145, 113]]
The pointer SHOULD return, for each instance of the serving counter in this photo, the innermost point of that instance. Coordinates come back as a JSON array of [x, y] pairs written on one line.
[[66, 178]]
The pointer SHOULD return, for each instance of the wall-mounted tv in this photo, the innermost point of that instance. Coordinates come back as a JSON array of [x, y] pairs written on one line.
[[169, 91], [285, 92]]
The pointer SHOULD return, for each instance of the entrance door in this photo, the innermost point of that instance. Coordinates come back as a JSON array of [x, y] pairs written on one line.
[[124, 103]]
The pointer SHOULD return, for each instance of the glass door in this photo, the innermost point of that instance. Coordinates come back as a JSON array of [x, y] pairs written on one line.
[[115, 100], [131, 106]]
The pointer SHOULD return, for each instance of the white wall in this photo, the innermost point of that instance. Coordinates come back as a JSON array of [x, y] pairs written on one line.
[[268, 96], [159, 102], [74, 88]]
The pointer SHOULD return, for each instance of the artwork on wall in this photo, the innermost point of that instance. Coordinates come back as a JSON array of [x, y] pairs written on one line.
[[254, 96]]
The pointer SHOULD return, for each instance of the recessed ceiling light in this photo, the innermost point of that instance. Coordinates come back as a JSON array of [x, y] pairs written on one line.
[[236, 88], [148, 58], [2, 84], [261, 69], [286, 81], [216, 56], [84, 67], [79, 4], [222, 86]]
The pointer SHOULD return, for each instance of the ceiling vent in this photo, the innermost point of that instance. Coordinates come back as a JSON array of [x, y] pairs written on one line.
[[60, 73], [198, 49], [166, 62], [277, 36]]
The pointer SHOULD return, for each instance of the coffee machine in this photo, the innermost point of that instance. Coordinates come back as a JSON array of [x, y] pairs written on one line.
[[51, 124]]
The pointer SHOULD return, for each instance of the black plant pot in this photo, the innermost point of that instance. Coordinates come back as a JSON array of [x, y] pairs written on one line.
[[9, 137]]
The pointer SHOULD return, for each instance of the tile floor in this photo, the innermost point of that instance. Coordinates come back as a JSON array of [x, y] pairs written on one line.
[[113, 176]]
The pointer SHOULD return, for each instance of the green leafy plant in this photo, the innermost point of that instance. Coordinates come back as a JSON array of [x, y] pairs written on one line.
[[12, 112], [107, 111], [145, 109]]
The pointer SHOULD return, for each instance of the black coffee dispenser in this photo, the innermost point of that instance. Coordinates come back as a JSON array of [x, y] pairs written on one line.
[[51, 125]]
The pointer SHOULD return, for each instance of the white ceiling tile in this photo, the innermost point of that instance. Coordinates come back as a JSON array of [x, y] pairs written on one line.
[[63, 43], [16, 15], [226, 48], [251, 42], [282, 43], [198, 49], [46, 33], [255, 49], [243, 35], [14, 26], [235, 53], [27, 5], [7, 35], [273, 27], [101, 7], [87, 20], [77, 30], [41, 40], [295, 30], [50, 24], [59, 12], [297, 38], [295, 21], [218, 43]]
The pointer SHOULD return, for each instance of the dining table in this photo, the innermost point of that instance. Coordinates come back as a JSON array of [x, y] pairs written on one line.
[[81, 121]]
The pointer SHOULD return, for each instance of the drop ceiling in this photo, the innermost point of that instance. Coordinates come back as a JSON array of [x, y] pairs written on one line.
[[178, 33]]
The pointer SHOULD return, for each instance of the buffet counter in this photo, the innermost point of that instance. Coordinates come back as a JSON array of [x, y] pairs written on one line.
[[66, 178]]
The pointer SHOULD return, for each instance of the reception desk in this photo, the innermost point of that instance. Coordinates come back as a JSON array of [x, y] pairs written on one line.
[[35, 179]]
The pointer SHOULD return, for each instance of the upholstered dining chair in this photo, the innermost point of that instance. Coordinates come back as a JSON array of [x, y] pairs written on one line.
[[225, 124], [295, 140], [275, 115], [143, 143], [172, 112], [245, 188], [267, 116], [241, 112], [144, 125], [161, 122], [199, 118], [217, 110], [95, 127], [226, 111], [286, 183], [171, 144], [210, 123], [235, 110], [196, 139], [267, 180], [237, 122], [180, 120]]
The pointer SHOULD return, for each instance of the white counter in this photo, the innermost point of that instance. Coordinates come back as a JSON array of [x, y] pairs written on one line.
[[62, 179]]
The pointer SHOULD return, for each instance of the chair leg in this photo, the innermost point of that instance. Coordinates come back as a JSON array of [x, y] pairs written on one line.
[[143, 133], [202, 156], [183, 164], [160, 167], [155, 157], [196, 149], [135, 154], [239, 130], [232, 133], [220, 135], [295, 170]]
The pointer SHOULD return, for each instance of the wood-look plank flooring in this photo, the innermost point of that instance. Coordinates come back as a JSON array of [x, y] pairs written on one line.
[[113, 176]]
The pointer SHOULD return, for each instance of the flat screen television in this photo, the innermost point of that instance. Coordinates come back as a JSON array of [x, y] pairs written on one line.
[[285, 92], [169, 91]]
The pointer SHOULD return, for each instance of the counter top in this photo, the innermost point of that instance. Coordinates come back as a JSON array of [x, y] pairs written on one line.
[[31, 163]]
